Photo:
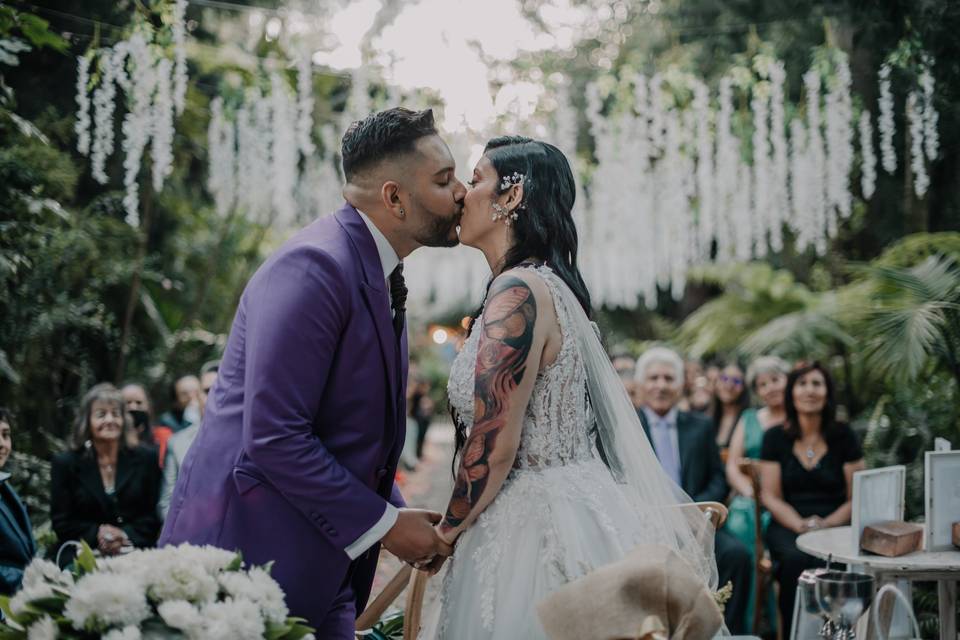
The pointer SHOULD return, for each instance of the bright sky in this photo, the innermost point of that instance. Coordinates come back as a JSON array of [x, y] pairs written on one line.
[[436, 44]]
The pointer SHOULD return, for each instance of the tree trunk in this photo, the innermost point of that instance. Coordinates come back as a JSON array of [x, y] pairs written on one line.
[[143, 233]]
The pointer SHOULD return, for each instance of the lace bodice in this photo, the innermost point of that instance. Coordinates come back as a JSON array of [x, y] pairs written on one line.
[[558, 417]]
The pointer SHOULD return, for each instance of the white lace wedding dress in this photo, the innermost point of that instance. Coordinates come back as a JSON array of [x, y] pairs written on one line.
[[559, 515]]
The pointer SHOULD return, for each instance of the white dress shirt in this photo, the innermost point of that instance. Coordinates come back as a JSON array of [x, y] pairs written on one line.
[[389, 261]]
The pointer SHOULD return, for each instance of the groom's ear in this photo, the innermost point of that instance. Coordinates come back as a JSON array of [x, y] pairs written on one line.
[[390, 194]]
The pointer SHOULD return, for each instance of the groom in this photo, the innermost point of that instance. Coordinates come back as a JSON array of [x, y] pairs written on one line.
[[295, 460]]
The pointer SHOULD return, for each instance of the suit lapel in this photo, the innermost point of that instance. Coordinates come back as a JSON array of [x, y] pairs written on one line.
[[377, 300], [683, 444]]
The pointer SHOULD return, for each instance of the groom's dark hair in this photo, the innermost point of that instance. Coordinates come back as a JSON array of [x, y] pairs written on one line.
[[382, 136]]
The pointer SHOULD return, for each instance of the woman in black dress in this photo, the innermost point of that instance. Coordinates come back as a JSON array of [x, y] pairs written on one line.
[[103, 491], [807, 475]]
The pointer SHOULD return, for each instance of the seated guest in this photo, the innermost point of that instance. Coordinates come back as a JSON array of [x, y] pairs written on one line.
[[103, 491], [766, 378], [626, 367], [180, 442], [186, 404], [17, 546], [730, 401], [144, 431], [807, 475], [686, 447]]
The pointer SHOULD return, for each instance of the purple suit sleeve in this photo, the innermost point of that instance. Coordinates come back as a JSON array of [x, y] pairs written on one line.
[[293, 329], [396, 498]]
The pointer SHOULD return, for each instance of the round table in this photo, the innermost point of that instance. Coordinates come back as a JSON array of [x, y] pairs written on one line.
[[943, 567]]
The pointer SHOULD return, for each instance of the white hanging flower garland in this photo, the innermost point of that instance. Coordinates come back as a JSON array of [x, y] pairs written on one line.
[[161, 147], [82, 125], [868, 159], [179, 32], [931, 137], [885, 123], [915, 121]]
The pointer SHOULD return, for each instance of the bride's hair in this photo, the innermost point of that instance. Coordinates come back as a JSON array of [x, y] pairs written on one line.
[[544, 228]]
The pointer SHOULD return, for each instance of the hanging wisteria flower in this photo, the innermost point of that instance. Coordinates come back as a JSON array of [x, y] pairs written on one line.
[[82, 125], [179, 32], [137, 122], [868, 159], [285, 151], [727, 157], [921, 181], [931, 137], [762, 173], [815, 157], [778, 140], [104, 98], [161, 147], [305, 103], [885, 122], [222, 159], [706, 224], [839, 138]]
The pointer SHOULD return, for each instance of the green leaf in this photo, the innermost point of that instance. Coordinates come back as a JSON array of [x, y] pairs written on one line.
[[37, 30], [237, 563], [86, 562], [7, 612]]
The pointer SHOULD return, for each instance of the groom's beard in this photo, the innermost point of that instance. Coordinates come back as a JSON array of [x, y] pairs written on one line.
[[440, 231]]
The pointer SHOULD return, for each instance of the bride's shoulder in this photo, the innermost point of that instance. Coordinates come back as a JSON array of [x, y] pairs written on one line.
[[517, 287]]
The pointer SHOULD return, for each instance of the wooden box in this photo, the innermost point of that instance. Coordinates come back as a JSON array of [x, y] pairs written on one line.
[[892, 539]]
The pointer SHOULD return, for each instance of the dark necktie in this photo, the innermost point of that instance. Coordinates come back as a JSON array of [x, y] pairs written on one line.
[[398, 299]]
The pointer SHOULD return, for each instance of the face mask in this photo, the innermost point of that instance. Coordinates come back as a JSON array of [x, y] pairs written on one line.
[[191, 414]]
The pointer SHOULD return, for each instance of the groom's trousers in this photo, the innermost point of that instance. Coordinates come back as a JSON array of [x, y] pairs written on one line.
[[341, 619]]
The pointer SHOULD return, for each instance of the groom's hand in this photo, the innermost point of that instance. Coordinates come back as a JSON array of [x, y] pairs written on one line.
[[413, 538]]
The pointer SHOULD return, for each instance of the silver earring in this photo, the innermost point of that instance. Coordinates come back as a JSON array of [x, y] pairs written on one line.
[[401, 212], [500, 212]]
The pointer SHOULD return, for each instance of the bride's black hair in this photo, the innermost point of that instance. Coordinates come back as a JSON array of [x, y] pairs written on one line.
[[544, 229]]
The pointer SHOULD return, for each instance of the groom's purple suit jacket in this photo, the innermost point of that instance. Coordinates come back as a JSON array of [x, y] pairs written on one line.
[[299, 445]]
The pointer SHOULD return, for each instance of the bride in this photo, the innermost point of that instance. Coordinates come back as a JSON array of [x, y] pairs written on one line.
[[554, 474]]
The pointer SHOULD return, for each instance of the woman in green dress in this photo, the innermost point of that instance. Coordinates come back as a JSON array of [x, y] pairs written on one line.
[[767, 379]]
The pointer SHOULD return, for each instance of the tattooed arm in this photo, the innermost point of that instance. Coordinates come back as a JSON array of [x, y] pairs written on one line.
[[508, 358]]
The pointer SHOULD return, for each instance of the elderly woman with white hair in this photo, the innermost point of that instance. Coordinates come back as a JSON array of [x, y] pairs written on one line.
[[766, 379]]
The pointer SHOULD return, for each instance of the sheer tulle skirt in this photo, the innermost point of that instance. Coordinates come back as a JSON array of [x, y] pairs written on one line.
[[545, 528]]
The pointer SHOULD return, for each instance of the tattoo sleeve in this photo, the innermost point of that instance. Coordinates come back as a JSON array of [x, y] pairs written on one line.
[[505, 343]]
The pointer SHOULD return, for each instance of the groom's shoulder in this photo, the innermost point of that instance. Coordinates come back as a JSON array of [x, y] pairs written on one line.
[[323, 242]]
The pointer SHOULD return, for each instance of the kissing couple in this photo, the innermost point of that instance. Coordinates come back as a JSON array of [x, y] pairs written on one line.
[[295, 460]]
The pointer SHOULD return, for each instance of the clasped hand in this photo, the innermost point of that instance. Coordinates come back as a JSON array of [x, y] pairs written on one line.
[[111, 539], [415, 540]]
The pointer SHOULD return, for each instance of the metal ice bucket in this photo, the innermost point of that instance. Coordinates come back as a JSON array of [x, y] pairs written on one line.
[[843, 597]]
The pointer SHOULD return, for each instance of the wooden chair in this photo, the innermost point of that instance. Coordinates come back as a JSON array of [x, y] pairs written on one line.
[[416, 583], [762, 566]]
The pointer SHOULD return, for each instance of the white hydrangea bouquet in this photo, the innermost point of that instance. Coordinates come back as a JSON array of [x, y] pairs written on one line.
[[183, 592]]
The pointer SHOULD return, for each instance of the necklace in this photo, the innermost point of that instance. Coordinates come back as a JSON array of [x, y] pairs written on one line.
[[810, 453]]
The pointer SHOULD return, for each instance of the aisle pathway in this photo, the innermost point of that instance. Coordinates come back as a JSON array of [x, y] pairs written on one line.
[[426, 487]]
